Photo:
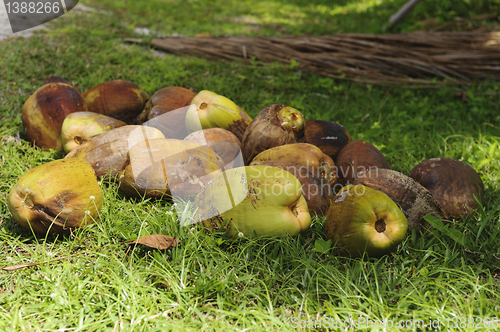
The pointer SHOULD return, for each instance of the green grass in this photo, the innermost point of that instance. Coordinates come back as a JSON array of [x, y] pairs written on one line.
[[210, 282]]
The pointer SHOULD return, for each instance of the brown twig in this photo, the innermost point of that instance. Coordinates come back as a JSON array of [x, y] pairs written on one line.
[[156, 241], [20, 266]]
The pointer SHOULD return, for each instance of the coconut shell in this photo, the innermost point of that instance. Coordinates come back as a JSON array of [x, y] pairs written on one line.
[[118, 99], [358, 156], [365, 221], [159, 168], [166, 100], [329, 136], [56, 197], [80, 127], [253, 200], [211, 110], [172, 100], [267, 131], [221, 141], [414, 199], [107, 152], [150, 184], [45, 110], [316, 190], [453, 183], [304, 154]]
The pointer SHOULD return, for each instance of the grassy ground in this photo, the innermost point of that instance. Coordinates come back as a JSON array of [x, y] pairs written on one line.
[[210, 282]]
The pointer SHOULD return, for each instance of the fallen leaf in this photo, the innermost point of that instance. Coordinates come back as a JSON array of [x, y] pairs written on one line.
[[18, 266], [157, 241]]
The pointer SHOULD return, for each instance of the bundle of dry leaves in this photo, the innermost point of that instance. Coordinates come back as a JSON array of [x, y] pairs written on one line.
[[413, 59]]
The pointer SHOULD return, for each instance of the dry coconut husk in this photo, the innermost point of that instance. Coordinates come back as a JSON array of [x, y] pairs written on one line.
[[415, 200], [414, 59]]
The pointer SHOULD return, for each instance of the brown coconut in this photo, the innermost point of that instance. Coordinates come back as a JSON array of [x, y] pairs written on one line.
[[455, 184], [329, 136], [304, 154], [45, 110], [107, 153], [358, 156], [119, 99], [414, 199], [270, 129], [221, 141], [172, 100], [158, 165]]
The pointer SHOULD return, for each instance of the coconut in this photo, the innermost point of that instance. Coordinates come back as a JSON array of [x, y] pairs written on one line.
[[275, 125], [56, 197]]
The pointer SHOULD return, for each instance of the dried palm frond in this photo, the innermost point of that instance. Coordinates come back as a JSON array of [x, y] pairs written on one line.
[[415, 59]]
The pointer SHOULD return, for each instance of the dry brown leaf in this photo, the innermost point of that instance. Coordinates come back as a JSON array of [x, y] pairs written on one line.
[[157, 241], [19, 266]]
